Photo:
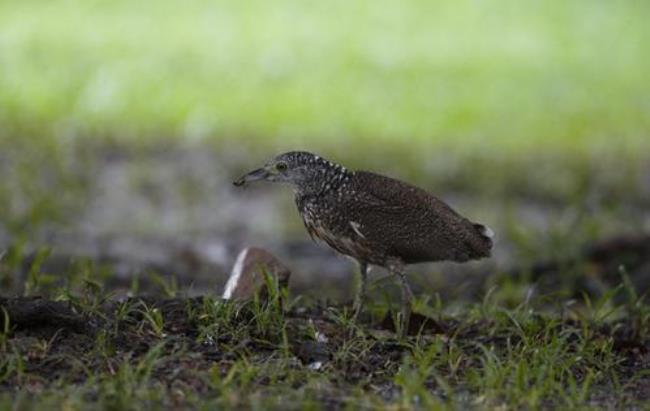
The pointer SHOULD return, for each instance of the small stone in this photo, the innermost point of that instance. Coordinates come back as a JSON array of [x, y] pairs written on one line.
[[247, 275]]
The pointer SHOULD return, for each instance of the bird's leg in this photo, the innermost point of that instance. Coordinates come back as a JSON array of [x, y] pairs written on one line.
[[407, 299], [361, 291]]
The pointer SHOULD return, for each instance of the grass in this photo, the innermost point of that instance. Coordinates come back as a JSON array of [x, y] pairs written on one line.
[[539, 106], [461, 96], [503, 75], [157, 352], [457, 96]]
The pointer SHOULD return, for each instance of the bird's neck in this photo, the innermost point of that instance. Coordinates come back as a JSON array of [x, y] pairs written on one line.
[[324, 183]]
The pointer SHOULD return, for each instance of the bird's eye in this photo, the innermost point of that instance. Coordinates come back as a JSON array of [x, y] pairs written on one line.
[[281, 167]]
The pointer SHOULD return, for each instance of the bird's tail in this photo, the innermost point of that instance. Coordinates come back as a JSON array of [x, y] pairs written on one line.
[[486, 234]]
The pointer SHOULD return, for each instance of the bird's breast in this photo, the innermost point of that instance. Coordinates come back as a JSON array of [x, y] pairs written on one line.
[[345, 238]]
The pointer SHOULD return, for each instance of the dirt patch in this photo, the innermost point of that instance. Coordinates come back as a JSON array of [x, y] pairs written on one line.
[[193, 342]]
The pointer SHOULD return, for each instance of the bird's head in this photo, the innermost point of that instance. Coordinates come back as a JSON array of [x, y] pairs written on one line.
[[305, 171]]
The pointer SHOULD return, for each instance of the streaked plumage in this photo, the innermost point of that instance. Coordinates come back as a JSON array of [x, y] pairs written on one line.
[[373, 218]]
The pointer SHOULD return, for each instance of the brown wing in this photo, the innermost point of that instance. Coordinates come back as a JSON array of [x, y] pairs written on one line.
[[409, 223]]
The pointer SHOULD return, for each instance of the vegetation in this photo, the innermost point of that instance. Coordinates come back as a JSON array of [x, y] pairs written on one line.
[[120, 122], [205, 352], [498, 76]]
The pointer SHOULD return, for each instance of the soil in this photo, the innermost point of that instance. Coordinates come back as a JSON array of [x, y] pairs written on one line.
[[72, 334]]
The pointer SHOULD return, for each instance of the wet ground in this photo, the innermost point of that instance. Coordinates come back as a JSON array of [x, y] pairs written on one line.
[[121, 253]]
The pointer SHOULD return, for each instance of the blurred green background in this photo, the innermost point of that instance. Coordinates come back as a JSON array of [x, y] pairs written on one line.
[[125, 118], [124, 123], [556, 74]]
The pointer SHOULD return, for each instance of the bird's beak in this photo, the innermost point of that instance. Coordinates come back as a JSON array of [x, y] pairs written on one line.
[[255, 175]]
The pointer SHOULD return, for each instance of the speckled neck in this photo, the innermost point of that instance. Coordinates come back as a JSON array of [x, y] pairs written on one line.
[[326, 177]]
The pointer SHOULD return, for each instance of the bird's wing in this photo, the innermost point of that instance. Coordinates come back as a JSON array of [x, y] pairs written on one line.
[[397, 195], [410, 223]]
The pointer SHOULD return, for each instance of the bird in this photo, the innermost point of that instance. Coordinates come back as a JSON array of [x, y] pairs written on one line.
[[375, 219]]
